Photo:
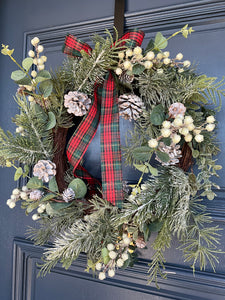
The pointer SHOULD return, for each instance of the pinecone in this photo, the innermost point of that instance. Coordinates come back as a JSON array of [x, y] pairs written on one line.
[[173, 151], [177, 109], [125, 78], [44, 170], [140, 243], [130, 106], [68, 195], [36, 195], [77, 103]]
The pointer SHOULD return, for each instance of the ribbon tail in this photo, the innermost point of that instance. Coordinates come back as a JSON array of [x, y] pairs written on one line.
[[111, 166]]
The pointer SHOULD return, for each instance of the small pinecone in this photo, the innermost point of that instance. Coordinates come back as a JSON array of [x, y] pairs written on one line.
[[36, 195], [130, 106], [68, 195], [44, 170], [77, 103], [140, 243], [173, 151], [177, 109], [125, 78]]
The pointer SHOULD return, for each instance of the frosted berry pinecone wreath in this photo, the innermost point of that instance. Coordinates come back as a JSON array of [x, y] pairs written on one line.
[[173, 129]]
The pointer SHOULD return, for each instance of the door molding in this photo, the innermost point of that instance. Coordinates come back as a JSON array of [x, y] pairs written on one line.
[[181, 284]]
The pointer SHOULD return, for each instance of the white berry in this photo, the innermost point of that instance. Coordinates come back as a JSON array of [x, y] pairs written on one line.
[[40, 48], [166, 61], [159, 56], [184, 131], [121, 55], [112, 254], [101, 276], [137, 50], [178, 122], [148, 64], [127, 241], [166, 54], [24, 188], [118, 71], [110, 247], [30, 98], [35, 41], [199, 138], [111, 273], [125, 256], [191, 127], [166, 124], [210, 127], [16, 192], [186, 63], [98, 266], [120, 262], [129, 53], [176, 138], [31, 53], [188, 137], [33, 74], [23, 195], [150, 55], [210, 119], [179, 56], [127, 64], [188, 120], [11, 204], [153, 143], [35, 217], [165, 132]]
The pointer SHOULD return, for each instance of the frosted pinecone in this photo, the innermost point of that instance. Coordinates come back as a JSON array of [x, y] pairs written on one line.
[[173, 151], [44, 170], [130, 106], [177, 109], [125, 78], [68, 195], [77, 103], [36, 195], [140, 243]]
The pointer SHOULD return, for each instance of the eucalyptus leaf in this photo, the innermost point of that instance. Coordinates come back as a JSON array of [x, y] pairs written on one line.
[[138, 69], [26, 170], [157, 115], [27, 63], [45, 88], [34, 183], [79, 187], [18, 173], [167, 141], [32, 206], [152, 170], [160, 41], [141, 168], [53, 186], [164, 157], [142, 153], [51, 121], [105, 255], [54, 208], [150, 46], [195, 153], [17, 75], [42, 76]]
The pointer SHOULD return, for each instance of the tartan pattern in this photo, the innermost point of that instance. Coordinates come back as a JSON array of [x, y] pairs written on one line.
[[73, 46], [134, 38], [111, 166], [104, 106]]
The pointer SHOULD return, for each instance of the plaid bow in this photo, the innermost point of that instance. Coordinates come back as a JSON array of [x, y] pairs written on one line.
[[104, 107]]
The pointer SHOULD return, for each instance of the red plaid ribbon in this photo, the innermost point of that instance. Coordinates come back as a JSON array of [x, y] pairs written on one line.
[[105, 107]]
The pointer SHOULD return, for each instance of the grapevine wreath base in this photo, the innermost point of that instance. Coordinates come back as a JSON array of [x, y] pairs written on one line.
[[173, 129]]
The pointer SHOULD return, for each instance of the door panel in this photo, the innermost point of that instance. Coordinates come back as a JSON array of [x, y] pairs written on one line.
[[205, 46]]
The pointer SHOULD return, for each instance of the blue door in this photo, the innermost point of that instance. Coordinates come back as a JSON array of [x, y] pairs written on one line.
[[51, 21]]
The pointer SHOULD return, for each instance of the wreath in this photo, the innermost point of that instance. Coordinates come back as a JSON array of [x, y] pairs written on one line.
[[172, 146]]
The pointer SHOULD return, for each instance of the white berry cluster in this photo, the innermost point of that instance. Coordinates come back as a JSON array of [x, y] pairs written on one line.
[[128, 58], [178, 126], [18, 194], [38, 61], [117, 255], [27, 194]]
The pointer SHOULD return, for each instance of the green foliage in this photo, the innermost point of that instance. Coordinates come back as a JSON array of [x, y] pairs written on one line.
[[79, 187]]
